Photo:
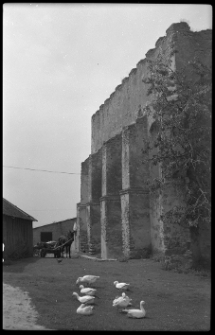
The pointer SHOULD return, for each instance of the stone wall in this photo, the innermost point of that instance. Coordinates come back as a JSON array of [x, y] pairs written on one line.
[[205, 242], [121, 108], [93, 228], [176, 237], [82, 228], [139, 173], [112, 232], [111, 237], [140, 225], [188, 45], [119, 213], [84, 180], [113, 176], [135, 193]]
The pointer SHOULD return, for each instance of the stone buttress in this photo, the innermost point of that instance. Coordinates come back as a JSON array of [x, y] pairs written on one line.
[[119, 214], [134, 194]]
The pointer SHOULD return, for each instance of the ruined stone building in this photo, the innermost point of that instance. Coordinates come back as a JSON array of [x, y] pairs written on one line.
[[114, 216]]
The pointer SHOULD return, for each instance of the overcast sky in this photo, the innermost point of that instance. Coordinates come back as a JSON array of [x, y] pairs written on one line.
[[60, 63]]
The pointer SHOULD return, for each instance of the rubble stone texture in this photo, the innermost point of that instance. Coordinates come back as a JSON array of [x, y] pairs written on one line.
[[116, 215]]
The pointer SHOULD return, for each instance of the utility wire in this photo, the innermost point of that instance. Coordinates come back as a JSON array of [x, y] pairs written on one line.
[[16, 167], [47, 210]]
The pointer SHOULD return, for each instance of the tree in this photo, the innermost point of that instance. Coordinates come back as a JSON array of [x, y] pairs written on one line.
[[182, 113]]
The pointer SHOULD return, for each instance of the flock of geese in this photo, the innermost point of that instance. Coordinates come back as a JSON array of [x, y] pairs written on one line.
[[88, 299]]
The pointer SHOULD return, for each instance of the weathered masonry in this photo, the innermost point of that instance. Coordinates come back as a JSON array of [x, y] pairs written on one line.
[[116, 215]]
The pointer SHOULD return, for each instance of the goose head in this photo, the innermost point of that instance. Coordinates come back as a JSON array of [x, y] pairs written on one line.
[[78, 280], [141, 305], [76, 294]]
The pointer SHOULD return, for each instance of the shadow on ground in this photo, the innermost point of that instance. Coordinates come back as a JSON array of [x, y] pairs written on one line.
[[18, 266]]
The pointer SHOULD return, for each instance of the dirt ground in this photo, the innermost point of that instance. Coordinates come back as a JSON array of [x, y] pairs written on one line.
[[173, 301], [18, 312]]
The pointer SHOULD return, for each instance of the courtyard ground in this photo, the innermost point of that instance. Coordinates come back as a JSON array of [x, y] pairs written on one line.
[[173, 301]]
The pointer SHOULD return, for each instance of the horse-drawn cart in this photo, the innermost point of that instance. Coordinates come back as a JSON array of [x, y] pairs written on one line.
[[42, 248], [56, 251], [51, 247]]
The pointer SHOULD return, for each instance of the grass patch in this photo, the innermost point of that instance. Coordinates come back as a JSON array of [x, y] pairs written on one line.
[[173, 301]]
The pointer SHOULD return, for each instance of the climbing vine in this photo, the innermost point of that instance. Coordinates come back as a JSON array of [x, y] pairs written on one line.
[[182, 145]]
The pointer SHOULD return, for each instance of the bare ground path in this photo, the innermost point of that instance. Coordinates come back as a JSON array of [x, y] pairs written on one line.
[[174, 301], [18, 312]]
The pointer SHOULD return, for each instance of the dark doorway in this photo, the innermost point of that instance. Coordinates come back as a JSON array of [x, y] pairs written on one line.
[[45, 236]]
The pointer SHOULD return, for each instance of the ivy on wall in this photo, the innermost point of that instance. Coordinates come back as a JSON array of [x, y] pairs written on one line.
[[182, 145]]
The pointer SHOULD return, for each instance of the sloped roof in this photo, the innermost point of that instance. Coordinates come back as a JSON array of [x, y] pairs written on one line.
[[54, 223], [11, 210]]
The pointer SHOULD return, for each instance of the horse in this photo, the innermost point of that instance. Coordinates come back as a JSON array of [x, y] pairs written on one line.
[[63, 239]]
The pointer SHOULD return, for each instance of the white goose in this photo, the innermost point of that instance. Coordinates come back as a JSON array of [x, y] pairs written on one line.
[[127, 298], [121, 286], [89, 279], [122, 301], [136, 313], [86, 299], [85, 310], [87, 290]]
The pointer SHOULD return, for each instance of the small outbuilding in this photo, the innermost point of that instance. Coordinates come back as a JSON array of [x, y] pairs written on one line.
[[17, 232], [52, 231]]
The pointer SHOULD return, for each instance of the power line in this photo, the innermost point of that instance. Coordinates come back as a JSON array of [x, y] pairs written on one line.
[[49, 171], [48, 210]]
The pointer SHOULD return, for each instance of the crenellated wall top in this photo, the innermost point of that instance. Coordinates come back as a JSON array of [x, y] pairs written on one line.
[[121, 108]]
